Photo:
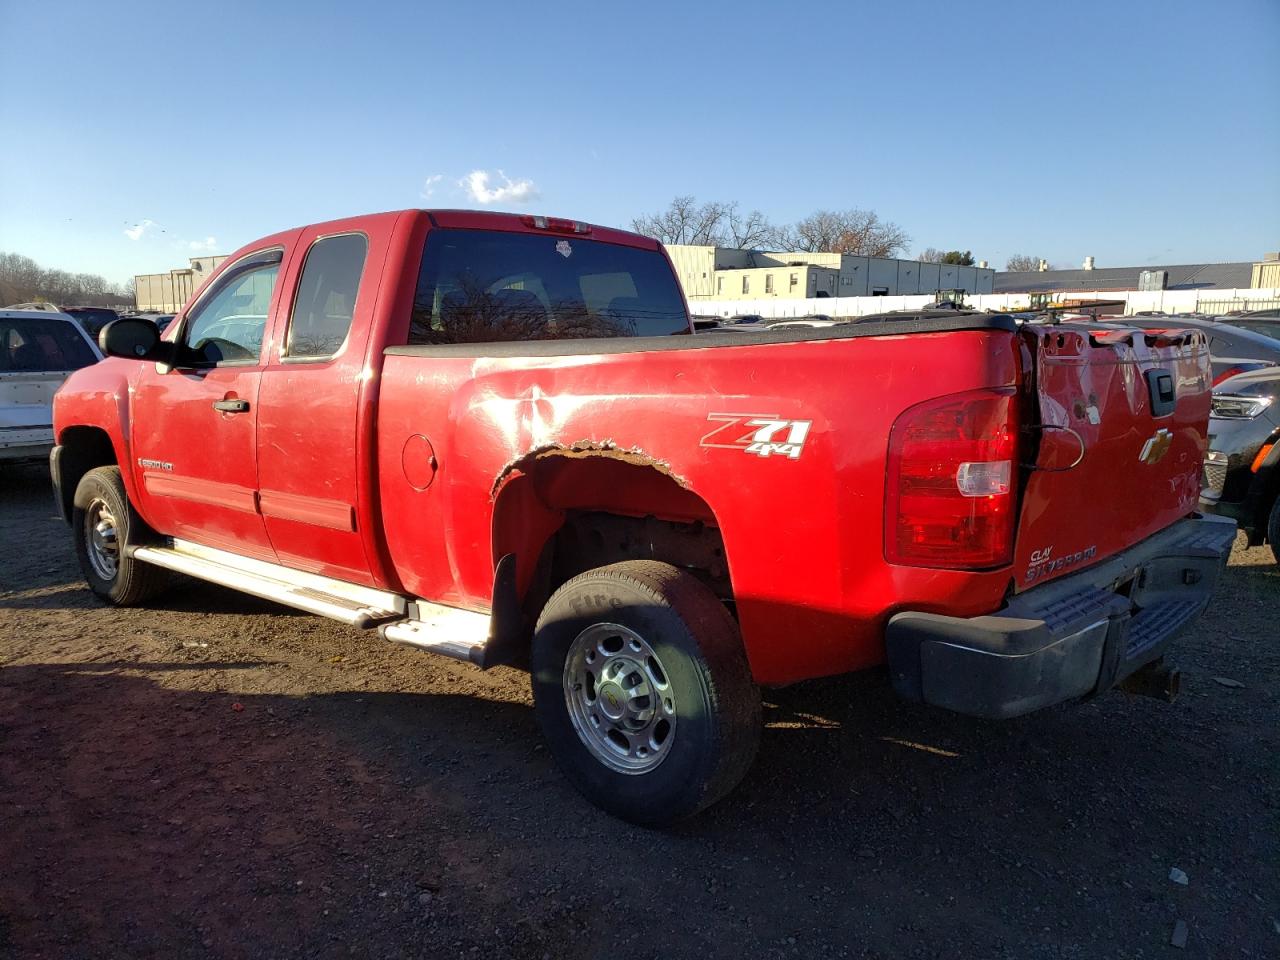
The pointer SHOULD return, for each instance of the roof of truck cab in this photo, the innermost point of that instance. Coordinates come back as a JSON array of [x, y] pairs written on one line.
[[518, 222], [460, 220]]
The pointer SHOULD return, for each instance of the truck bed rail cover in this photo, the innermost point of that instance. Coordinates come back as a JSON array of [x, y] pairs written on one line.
[[605, 345]]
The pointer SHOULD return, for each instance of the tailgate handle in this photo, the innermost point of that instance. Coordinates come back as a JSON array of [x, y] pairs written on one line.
[[1163, 395]]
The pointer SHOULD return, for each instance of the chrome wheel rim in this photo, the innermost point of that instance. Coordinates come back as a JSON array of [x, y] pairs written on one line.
[[619, 698], [101, 539]]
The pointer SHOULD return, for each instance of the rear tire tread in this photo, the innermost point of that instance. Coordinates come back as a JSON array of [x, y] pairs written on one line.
[[726, 682]]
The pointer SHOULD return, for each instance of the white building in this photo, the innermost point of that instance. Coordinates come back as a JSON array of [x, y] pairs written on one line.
[[168, 292], [723, 273]]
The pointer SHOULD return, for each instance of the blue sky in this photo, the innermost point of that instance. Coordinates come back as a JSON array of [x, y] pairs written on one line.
[[139, 134]]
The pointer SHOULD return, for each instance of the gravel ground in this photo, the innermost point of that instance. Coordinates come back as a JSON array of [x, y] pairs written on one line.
[[220, 777]]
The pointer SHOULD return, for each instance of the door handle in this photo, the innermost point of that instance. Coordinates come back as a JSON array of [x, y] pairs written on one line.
[[231, 406]]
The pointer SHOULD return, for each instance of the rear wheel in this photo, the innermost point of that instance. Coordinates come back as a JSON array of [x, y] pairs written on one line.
[[642, 689], [104, 526]]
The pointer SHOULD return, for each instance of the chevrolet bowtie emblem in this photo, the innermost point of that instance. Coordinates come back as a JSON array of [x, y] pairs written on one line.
[[1156, 447]]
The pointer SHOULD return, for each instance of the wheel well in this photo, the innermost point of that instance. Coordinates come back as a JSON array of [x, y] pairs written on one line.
[[83, 449], [564, 512], [589, 539]]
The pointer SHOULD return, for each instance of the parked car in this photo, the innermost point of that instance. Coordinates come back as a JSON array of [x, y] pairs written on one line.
[[812, 320], [1263, 322], [38, 350], [1242, 466], [1233, 348], [38, 306], [93, 319], [161, 320], [476, 432]]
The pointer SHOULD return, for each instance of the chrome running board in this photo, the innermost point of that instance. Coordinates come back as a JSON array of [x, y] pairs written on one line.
[[435, 628], [349, 603], [448, 631], [485, 639]]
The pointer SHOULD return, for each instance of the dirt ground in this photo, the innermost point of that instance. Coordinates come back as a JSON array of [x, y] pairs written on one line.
[[220, 777]]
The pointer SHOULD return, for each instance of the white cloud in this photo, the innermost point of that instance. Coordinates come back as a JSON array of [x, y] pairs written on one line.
[[138, 229], [476, 183], [429, 185], [207, 245]]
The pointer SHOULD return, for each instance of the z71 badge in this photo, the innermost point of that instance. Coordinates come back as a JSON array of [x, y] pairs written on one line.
[[764, 435]]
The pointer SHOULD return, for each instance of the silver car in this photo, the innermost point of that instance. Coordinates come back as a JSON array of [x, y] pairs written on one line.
[[38, 349]]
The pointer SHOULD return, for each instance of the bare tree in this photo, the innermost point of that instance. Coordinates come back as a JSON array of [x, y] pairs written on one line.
[[931, 255], [749, 231], [714, 223], [1021, 263], [684, 221], [24, 279], [859, 232], [708, 224]]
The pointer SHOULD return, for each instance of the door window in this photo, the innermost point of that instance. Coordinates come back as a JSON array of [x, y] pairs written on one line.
[[326, 299], [228, 326]]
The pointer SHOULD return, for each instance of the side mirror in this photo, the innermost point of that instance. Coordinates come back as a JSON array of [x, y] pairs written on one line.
[[133, 338]]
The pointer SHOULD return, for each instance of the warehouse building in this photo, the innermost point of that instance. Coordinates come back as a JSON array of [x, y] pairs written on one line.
[[1266, 272], [167, 292], [1178, 276], [724, 273]]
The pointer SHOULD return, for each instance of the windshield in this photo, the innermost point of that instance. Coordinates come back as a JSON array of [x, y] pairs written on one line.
[[36, 345], [481, 286]]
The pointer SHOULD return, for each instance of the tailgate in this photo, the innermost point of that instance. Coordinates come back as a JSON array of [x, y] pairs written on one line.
[[26, 398], [1123, 416]]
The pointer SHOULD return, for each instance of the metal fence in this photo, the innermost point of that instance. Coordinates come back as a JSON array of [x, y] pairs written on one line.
[[1238, 303]]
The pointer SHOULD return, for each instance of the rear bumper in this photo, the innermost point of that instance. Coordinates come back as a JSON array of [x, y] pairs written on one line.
[[1073, 637]]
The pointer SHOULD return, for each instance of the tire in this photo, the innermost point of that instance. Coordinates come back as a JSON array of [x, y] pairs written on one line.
[[1273, 529], [649, 622], [104, 524]]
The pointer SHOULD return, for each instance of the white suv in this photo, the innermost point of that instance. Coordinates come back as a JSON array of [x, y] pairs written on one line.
[[38, 349]]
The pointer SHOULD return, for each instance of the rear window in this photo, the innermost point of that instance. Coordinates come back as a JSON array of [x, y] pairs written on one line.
[[1267, 328], [31, 345], [480, 286], [93, 318]]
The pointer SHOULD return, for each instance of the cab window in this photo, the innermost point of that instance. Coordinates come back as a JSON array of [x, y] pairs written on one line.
[[228, 326], [326, 299], [481, 286]]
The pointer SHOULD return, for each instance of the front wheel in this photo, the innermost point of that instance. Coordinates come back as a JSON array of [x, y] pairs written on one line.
[[642, 690], [1273, 529], [105, 526]]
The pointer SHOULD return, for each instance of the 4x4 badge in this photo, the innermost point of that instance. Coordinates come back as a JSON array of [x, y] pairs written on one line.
[[765, 435]]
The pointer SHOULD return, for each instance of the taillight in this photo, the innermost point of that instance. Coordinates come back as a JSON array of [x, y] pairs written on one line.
[[949, 496], [1227, 374]]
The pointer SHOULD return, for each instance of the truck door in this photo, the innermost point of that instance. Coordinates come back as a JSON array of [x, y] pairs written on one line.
[[310, 450], [194, 427]]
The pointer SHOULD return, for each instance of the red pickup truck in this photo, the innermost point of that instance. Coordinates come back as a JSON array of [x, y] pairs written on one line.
[[497, 438]]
